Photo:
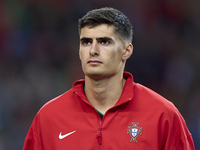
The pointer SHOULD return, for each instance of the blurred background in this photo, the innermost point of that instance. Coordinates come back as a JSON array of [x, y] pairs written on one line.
[[39, 45]]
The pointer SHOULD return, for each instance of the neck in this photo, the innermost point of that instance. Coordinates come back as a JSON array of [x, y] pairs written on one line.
[[103, 94]]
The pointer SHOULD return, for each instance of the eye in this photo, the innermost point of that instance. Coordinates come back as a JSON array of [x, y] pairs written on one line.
[[104, 42], [86, 42]]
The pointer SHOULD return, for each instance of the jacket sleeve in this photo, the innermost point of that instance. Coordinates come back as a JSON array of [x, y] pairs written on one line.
[[32, 140], [181, 131], [179, 135], [186, 144]]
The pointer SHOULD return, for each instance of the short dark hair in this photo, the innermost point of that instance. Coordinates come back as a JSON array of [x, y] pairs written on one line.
[[109, 16]]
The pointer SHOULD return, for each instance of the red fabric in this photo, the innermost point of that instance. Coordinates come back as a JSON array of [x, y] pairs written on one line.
[[160, 124]]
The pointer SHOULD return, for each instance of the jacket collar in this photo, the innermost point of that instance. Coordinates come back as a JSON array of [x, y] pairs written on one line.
[[127, 94]]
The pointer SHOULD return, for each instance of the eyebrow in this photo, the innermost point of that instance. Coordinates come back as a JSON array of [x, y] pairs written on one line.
[[85, 38], [105, 38], [99, 38]]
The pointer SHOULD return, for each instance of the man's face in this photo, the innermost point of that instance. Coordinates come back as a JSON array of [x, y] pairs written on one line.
[[101, 52]]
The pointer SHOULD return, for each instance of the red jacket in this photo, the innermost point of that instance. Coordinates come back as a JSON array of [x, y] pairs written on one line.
[[141, 120]]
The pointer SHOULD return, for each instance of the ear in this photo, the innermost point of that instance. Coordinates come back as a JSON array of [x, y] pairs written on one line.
[[128, 50]]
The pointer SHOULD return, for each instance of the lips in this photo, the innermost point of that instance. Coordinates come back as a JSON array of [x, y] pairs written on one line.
[[94, 62]]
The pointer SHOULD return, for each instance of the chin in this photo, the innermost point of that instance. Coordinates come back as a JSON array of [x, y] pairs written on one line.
[[95, 75], [98, 75]]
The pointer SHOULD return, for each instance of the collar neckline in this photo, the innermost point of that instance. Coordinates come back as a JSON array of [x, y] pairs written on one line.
[[127, 93]]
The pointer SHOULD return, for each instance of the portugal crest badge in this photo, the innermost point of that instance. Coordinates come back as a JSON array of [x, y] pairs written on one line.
[[134, 131]]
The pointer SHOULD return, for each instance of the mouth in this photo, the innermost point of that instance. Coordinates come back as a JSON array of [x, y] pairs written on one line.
[[94, 62]]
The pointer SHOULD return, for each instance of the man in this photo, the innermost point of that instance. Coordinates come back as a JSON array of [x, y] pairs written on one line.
[[107, 110]]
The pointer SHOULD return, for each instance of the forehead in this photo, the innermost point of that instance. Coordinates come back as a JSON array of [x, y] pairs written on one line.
[[98, 31]]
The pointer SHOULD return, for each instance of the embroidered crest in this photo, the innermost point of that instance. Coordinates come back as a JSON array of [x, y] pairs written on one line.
[[134, 131]]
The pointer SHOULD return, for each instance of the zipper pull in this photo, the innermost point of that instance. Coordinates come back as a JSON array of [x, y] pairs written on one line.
[[99, 136]]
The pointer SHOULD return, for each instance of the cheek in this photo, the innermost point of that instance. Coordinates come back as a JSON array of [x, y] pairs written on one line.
[[115, 56], [81, 55]]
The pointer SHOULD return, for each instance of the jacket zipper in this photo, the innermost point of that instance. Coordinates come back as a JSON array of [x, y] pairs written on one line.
[[99, 130], [99, 136]]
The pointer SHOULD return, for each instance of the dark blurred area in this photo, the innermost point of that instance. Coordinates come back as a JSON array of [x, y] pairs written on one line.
[[39, 60]]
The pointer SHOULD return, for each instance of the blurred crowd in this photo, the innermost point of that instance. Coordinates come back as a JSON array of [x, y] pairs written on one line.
[[39, 60]]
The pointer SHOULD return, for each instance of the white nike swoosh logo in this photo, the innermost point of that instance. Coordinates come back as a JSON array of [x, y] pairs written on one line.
[[65, 135]]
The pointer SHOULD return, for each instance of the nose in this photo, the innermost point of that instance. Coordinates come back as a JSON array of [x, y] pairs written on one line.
[[94, 50]]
